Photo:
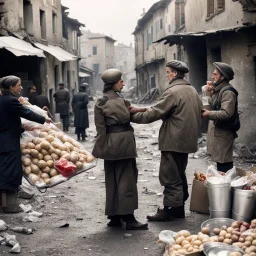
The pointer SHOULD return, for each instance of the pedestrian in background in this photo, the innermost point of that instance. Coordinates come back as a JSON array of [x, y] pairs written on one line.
[[62, 99], [224, 117], [115, 144], [80, 110], [32, 94], [180, 110], [11, 110]]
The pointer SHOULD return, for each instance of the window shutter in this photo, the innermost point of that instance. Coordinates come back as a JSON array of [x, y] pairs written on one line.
[[220, 4], [210, 7]]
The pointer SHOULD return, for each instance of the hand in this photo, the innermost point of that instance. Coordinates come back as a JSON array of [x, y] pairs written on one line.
[[48, 120], [205, 113], [134, 110]]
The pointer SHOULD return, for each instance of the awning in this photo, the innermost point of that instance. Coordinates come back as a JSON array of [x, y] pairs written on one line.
[[19, 47], [176, 38], [57, 52], [82, 74]]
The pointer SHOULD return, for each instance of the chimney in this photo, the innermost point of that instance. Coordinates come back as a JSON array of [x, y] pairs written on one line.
[[143, 13]]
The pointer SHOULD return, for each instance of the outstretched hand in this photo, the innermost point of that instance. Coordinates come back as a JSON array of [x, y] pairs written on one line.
[[48, 120], [134, 110], [205, 113]]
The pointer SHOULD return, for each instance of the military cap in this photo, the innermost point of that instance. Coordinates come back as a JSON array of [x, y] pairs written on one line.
[[225, 70], [178, 65], [111, 76]]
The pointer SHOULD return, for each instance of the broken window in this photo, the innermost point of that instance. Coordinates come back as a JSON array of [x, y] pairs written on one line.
[[179, 13], [215, 6], [28, 17]]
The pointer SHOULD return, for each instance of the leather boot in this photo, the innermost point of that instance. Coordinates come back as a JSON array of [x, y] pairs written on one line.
[[115, 221], [78, 137], [133, 224], [178, 212], [161, 215], [12, 205]]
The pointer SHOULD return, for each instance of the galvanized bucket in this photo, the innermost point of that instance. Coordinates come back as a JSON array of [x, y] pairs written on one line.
[[244, 205], [219, 214], [219, 197]]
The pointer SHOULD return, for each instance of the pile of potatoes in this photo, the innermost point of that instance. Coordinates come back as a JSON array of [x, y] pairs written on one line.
[[185, 243], [234, 235], [40, 153]]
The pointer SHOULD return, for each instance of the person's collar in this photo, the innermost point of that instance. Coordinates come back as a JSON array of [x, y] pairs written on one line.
[[111, 94], [178, 81], [219, 85]]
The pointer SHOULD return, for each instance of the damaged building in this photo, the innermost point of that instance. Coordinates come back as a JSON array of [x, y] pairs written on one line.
[[40, 44], [214, 30]]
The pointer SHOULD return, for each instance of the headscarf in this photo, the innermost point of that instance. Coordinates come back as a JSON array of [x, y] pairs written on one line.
[[8, 81]]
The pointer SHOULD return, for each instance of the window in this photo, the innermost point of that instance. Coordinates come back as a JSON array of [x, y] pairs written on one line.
[[28, 17], [43, 24], [215, 6], [94, 50], [169, 28], [149, 36], [96, 67], [179, 13], [54, 23], [64, 29], [74, 39], [161, 23]]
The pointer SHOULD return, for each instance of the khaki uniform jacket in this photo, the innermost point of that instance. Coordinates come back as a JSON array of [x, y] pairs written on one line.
[[180, 109], [113, 146], [219, 141]]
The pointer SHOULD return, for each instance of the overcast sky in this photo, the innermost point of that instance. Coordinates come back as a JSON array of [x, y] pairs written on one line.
[[116, 18]]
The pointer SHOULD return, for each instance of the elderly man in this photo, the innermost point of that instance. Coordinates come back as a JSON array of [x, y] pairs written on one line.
[[224, 118], [180, 110]]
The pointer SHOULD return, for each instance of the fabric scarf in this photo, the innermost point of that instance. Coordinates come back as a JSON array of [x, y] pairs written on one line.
[[217, 88]]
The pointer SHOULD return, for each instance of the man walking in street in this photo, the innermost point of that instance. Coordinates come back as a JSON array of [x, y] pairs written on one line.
[[224, 118], [180, 109], [62, 98]]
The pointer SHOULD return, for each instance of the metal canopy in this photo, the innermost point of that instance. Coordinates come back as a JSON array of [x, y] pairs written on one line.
[[57, 52], [82, 74], [19, 47]]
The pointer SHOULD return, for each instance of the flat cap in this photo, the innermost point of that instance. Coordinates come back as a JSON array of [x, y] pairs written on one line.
[[178, 65], [111, 75], [225, 70]]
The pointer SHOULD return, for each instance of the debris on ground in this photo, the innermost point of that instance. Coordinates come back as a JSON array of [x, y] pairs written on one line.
[[10, 240]]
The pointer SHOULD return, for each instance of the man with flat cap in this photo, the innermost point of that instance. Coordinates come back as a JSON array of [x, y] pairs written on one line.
[[115, 144], [180, 110], [224, 118]]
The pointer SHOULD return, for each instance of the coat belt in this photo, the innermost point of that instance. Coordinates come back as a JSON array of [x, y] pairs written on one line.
[[119, 128]]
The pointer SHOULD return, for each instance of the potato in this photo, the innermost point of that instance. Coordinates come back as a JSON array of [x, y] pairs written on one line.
[[223, 233], [53, 172], [31, 145], [247, 243], [50, 163], [230, 230], [67, 156], [55, 156], [190, 249], [37, 141], [74, 157], [47, 181], [25, 151], [45, 145], [177, 247], [197, 242], [35, 161], [63, 153], [69, 146], [45, 129], [49, 138], [38, 147], [79, 165], [249, 238], [40, 156], [22, 146], [228, 236], [43, 134], [57, 151], [45, 176], [221, 239], [41, 164], [59, 135], [47, 157], [34, 153], [205, 230], [63, 147], [26, 162], [227, 241], [33, 178], [179, 240], [216, 231], [90, 158], [47, 169], [27, 170], [76, 149], [35, 169]]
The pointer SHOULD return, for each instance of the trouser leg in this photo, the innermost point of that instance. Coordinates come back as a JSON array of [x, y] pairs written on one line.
[[224, 167]]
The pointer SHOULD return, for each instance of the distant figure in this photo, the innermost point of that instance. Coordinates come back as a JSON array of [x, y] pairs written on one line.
[[79, 106], [32, 94], [62, 98]]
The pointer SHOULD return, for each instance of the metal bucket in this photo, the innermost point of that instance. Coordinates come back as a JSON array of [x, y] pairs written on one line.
[[219, 214], [244, 205], [219, 196]]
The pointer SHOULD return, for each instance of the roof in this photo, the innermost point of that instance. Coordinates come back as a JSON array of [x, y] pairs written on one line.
[[86, 68], [74, 21], [83, 74], [177, 38], [19, 47], [98, 35], [57, 52], [148, 14]]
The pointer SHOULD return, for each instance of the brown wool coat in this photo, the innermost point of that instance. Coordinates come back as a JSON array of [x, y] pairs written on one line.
[[180, 109], [113, 146], [219, 141]]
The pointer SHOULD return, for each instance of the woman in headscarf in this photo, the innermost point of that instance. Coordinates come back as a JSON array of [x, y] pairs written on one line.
[[11, 110]]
